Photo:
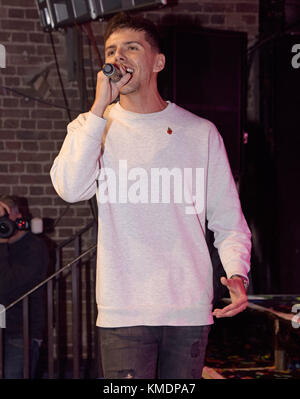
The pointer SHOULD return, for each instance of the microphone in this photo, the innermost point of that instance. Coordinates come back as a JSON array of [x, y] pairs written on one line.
[[112, 72]]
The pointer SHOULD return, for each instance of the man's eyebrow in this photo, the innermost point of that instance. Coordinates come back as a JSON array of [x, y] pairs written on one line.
[[134, 42], [109, 47], [125, 43]]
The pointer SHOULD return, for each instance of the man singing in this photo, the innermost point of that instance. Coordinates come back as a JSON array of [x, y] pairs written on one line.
[[154, 273]]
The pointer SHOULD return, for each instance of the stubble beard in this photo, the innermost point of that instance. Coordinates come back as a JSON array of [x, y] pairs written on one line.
[[129, 89], [126, 90]]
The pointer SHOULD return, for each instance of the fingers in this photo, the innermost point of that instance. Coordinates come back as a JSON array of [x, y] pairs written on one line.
[[230, 283], [239, 299], [235, 286], [107, 91], [3, 208], [232, 309], [224, 281], [125, 79]]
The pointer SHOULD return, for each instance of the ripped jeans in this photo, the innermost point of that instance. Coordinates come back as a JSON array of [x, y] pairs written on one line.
[[154, 352]]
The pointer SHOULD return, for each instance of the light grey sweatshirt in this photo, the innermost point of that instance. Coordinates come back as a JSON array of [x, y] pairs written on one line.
[[157, 178]]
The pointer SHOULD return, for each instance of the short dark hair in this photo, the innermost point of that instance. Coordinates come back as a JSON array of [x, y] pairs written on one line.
[[124, 20]]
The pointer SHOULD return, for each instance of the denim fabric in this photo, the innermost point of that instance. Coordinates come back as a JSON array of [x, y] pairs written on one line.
[[13, 357], [153, 352]]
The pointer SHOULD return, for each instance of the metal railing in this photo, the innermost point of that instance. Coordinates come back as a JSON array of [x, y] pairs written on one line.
[[55, 315]]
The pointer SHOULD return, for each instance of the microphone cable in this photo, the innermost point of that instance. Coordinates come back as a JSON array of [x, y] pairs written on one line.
[[59, 76]]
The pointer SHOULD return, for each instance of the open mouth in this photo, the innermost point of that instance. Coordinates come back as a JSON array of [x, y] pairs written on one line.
[[130, 71], [125, 69]]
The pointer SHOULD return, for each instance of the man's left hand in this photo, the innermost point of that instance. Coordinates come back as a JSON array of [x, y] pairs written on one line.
[[239, 299]]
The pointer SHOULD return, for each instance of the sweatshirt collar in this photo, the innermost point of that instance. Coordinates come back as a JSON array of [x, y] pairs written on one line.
[[135, 115]]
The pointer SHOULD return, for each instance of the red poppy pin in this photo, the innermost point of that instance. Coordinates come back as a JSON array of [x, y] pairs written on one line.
[[169, 131]]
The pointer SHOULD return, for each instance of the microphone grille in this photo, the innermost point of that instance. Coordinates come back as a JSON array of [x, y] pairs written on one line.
[[108, 69]]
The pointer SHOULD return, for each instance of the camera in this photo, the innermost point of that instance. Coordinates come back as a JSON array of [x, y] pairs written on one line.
[[8, 227]]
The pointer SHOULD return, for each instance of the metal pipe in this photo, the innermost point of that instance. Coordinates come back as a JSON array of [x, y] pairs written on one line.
[[50, 329], [26, 338]]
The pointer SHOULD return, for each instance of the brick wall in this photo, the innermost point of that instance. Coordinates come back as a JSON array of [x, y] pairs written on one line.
[[32, 132]]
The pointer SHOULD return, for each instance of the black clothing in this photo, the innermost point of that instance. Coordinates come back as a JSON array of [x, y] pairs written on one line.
[[23, 264]]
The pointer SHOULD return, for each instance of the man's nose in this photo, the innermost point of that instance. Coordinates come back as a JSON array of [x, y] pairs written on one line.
[[119, 55]]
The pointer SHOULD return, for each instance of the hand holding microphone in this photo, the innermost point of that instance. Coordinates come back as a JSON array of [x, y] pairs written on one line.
[[107, 90], [114, 73]]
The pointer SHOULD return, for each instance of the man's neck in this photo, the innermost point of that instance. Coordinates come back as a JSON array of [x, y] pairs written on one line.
[[147, 104]]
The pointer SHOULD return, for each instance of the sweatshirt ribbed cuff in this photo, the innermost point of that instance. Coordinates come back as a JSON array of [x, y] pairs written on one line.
[[94, 124], [237, 268]]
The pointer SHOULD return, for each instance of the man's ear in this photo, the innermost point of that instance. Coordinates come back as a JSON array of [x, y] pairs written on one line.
[[159, 62]]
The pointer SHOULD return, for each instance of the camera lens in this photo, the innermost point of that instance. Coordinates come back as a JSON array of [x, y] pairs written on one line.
[[7, 227], [3, 228]]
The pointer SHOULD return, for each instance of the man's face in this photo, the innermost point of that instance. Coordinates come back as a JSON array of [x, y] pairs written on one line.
[[129, 49]]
